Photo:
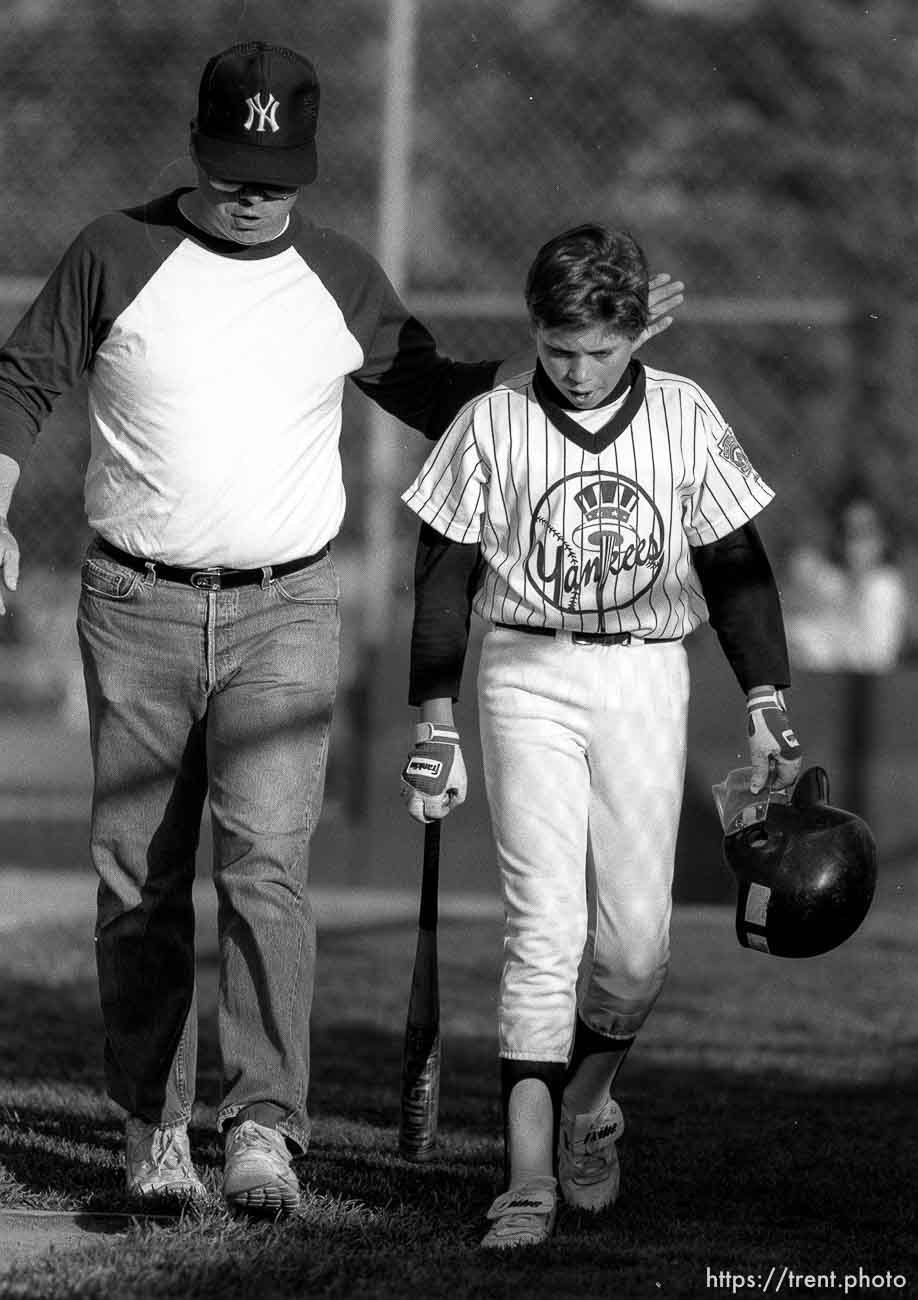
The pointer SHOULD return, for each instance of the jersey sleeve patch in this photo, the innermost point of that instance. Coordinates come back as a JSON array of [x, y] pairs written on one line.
[[729, 448], [731, 490]]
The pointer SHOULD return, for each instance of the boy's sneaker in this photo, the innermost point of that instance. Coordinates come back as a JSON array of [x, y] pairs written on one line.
[[257, 1176], [157, 1163], [523, 1216], [588, 1168]]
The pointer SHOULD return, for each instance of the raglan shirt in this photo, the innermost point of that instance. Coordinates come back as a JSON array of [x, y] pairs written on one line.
[[632, 517], [215, 375]]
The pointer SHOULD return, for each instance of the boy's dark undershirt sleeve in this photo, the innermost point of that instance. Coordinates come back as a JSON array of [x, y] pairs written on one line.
[[445, 580], [744, 607]]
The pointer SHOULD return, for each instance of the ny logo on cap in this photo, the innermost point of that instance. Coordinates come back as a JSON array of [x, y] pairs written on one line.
[[266, 113]]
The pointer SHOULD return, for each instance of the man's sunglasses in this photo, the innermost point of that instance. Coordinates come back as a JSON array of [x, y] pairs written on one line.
[[225, 186]]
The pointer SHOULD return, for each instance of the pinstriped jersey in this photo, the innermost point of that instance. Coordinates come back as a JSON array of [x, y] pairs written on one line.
[[585, 520]]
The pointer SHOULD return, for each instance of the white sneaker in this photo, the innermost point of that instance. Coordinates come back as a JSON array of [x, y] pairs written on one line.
[[157, 1163], [588, 1168], [257, 1176], [523, 1216]]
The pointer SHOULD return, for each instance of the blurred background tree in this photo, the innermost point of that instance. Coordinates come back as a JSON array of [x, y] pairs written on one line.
[[757, 145], [762, 150]]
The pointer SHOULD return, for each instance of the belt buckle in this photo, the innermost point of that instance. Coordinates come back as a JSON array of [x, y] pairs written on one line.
[[206, 579], [601, 638]]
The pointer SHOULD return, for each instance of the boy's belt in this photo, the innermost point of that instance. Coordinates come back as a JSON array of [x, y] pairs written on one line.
[[587, 638], [579, 638]]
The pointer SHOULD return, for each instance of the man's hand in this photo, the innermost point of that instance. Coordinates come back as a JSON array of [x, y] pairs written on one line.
[[9, 561], [434, 779], [774, 750], [664, 296]]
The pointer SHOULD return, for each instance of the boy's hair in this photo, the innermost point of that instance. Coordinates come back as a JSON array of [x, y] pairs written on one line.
[[590, 275]]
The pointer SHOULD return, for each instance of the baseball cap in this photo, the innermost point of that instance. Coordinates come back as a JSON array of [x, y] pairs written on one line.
[[258, 108]]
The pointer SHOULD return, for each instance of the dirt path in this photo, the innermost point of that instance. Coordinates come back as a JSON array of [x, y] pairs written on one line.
[[29, 1234]]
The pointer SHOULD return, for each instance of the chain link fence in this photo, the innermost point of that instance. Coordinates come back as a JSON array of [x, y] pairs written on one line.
[[761, 150]]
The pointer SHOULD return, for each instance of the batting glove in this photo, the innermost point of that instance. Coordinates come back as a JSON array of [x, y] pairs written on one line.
[[774, 750], [434, 779]]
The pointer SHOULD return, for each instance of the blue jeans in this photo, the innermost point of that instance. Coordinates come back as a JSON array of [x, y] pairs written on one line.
[[226, 694]]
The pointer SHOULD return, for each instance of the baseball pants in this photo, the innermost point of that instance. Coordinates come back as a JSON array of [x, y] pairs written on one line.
[[584, 763]]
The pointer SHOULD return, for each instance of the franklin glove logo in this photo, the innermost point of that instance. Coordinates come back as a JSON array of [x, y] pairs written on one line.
[[421, 769]]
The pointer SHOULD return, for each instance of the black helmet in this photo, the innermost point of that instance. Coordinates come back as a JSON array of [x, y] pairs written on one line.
[[806, 872]]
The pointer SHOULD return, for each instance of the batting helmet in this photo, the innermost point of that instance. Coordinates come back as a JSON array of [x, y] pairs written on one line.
[[806, 872]]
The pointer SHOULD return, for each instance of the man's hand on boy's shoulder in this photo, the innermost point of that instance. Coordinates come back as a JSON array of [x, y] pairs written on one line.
[[664, 296]]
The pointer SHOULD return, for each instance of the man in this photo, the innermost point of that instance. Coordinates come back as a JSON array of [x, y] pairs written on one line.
[[216, 328]]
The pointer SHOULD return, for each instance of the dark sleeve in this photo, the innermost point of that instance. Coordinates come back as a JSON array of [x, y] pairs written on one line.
[[48, 351], [744, 607], [53, 346], [402, 369], [423, 388], [445, 580]]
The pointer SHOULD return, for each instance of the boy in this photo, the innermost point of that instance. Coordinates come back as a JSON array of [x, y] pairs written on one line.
[[594, 512]]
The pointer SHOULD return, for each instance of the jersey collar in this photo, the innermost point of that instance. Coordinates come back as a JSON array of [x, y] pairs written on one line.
[[551, 401]]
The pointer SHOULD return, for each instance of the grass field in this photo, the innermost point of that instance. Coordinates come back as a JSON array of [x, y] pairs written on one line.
[[771, 1106], [771, 1111]]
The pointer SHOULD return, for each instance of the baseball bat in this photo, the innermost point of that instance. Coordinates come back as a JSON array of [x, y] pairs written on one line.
[[420, 1095]]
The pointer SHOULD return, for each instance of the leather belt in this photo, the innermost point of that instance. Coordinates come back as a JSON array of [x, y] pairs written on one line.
[[578, 638], [212, 578]]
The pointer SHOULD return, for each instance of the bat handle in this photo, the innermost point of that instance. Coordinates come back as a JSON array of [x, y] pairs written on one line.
[[432, 845], [430, 877]]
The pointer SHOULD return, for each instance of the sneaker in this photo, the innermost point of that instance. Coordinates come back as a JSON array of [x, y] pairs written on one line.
[[157, 1163], [257, 1176], [588, 1168], [523, 1216]]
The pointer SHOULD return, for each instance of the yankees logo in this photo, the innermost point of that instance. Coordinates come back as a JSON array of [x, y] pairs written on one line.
[[595, 542], [265, 113]]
